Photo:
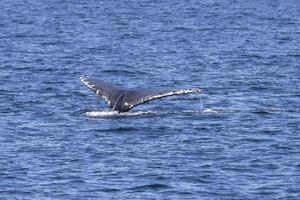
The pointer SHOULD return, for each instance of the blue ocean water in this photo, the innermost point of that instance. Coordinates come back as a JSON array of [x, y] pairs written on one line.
[[239, 139]]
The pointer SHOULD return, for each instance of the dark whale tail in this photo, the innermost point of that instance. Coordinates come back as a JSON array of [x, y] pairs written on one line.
[[122, 100]]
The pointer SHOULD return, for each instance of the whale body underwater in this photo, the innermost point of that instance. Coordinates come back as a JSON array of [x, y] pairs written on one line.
[[122, 100]]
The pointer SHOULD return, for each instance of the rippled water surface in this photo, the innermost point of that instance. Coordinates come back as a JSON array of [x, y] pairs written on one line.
[[239, 139]]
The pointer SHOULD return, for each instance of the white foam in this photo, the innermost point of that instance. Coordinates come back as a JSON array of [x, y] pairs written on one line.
[[103, 114], [209, 111]]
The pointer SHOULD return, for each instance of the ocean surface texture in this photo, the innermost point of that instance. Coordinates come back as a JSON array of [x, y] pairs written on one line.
[[239, 139]]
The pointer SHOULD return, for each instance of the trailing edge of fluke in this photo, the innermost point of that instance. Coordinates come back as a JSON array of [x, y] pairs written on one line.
[[122, 100]]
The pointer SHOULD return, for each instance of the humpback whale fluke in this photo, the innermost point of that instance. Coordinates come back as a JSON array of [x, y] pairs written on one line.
[[122, 100]]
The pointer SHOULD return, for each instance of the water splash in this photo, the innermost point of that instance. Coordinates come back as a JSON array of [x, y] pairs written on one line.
[[113, 114], [207, 110], [201, 103], [105, 114]]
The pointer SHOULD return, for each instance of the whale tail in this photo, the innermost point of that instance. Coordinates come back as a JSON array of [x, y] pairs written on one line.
[[123, 100]]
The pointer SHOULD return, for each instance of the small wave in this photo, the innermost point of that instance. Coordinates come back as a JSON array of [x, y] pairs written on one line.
[[234, 110], [119, 71], [155, 186], [267, 110]]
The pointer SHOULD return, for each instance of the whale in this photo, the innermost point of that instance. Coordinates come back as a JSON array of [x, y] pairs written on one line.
[[122, 99]]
